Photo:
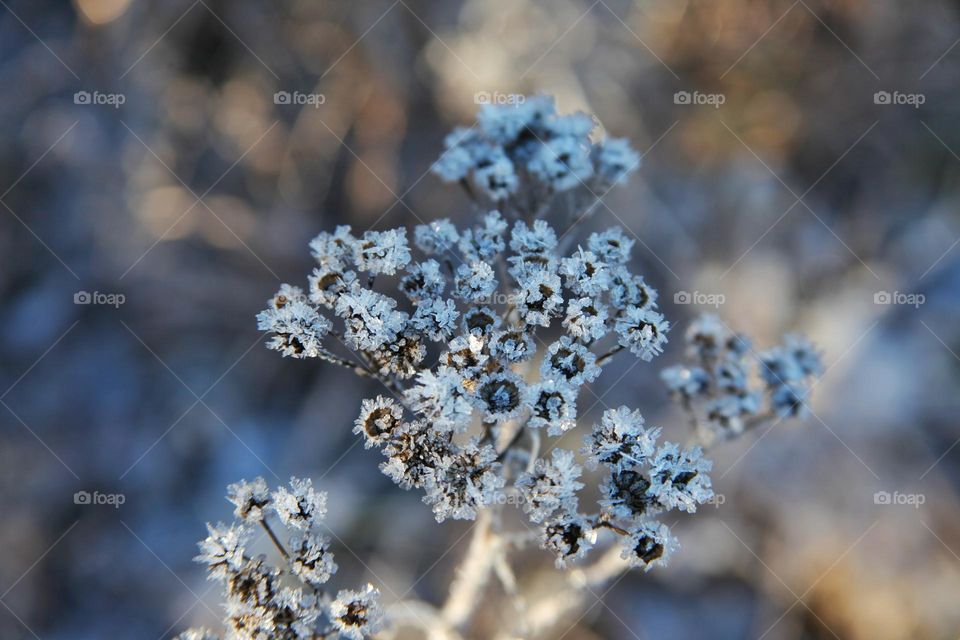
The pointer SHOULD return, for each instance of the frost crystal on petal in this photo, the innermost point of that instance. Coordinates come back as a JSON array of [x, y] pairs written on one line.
[[568, 536], [223, 549], [436, 238], [423, 281], [539, 297], [436, 318], [500, 396], [586, 319], [679, 478], [614, 160], [611, 246], [333, 251], [311, 559], [475, 282], [586, 274]]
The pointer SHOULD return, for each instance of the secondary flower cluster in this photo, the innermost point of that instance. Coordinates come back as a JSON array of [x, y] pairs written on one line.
[[643, 481], [717, 389], [259, 606], [519, 156]]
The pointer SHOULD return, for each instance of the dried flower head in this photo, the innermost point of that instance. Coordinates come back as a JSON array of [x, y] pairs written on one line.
[[300, 506], [357, 614]]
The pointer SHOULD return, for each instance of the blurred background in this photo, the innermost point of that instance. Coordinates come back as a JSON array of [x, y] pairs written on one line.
[[807, 171]]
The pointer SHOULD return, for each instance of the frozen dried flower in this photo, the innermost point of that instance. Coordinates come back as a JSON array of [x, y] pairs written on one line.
[[553, 405], [311, 559], [463, 482], [378, 419], [586, 319], [643, 331], [437, 237], [298, 329], [500, 396], [568, 536], [382, 251], [570, 362], [357, 614], [649, 545], [250, 498], [300, 506], [552, 486], [620, 439]]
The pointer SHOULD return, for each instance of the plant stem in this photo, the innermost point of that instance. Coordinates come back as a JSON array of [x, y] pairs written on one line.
[[609, 354], [274, 539], [472, 575]]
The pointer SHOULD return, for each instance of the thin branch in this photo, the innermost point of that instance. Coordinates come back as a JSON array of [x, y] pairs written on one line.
[[601, 360], [274, 539]]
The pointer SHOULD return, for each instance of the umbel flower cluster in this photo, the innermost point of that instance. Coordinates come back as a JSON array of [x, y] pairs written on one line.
[[716, 388], [494, 329], [266, 602], [483, 337]]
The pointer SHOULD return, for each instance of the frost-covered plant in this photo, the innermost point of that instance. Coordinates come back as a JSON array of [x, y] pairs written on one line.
[[286, 602], [727, 387], [483, 338]]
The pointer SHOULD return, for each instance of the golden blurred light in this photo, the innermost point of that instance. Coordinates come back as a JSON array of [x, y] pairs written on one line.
[[225, 221], [99, 12], [162, 210], [371, 182]]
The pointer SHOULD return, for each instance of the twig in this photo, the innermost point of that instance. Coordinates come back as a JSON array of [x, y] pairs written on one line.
[[609, 354], [274, 539]]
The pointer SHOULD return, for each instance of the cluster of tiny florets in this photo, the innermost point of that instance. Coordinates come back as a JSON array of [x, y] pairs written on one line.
[[259, 603], [526, 152], [483, 330], [643, 480], [727, 386], [485, 335]]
